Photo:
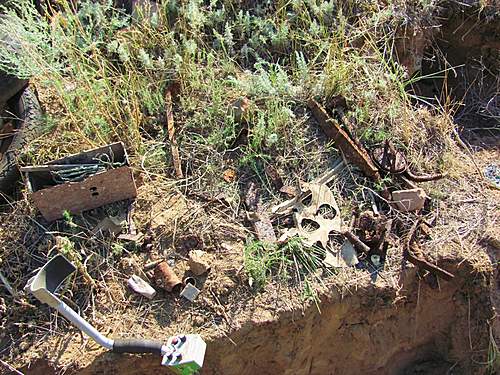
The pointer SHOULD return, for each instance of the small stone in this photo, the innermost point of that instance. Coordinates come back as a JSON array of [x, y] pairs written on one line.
[[409, 200], [140, 286], [199, 262]]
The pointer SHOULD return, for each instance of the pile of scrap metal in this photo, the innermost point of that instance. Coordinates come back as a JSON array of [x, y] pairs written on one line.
[[316, 216]]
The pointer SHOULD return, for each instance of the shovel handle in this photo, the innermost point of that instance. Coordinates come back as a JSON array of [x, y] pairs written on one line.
[[137, 346]]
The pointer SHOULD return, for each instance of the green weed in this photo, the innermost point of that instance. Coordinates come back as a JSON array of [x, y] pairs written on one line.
[[288, 262]]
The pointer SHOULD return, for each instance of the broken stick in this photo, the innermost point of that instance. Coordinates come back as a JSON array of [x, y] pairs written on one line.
[[171, 135]]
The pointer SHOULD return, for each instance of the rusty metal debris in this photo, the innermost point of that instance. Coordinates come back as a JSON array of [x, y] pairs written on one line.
[[393, 161], [166, 278], [171, 135], [425, 265], [262, 226], [131, 234], [356, 242], [411, 249], [388, 159], [274, 176], [229, 175], [352, 152], [239, 109], [92, 179], [190, 292]]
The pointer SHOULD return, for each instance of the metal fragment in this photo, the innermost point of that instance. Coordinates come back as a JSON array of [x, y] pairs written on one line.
[[323, 213], [348, 253], [357, 243], [7, 285], [263, 227], [286, 207], [424, 177], [171, 135], [190, 292], [351, 151], [274, 176], [424, 264], [388, 159], [166, 278]]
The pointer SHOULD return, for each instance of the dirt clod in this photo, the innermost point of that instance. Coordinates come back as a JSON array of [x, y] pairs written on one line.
[[199, 262]]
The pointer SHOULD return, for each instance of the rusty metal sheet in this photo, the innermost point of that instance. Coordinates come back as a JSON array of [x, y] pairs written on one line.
[[351, 151], [95, 191]]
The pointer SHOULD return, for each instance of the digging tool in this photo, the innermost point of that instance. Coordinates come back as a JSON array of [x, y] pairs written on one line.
[[184, 354]]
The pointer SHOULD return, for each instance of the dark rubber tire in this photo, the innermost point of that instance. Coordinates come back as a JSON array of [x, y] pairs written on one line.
[[26, 109]]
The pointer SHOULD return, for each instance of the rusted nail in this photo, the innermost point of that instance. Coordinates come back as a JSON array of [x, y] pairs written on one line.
[[171, 135], [166, 278]]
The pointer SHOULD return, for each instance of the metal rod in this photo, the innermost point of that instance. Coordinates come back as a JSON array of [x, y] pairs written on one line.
[[82, 324]]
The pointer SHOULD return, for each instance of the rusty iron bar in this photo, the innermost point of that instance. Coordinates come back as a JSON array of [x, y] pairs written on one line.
[[357, 243], [171, 135], [352, 152], [424, 264], [425, 177], [409, 246]]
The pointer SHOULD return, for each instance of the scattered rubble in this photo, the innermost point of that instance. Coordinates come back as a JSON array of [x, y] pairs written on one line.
[[141, 287], [199, 262]]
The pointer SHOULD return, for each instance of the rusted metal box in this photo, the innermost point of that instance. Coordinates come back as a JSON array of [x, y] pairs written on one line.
[[102, 188]]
